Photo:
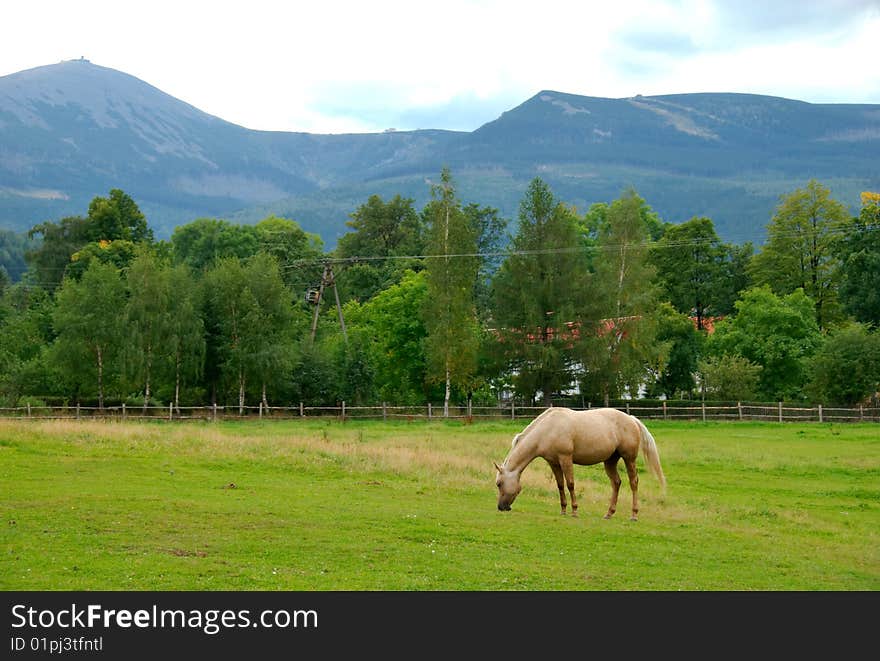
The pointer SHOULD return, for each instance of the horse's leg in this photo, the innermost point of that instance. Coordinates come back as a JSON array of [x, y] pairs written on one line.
[[568, 472], [557, 473], [614, 476], [633, 485]]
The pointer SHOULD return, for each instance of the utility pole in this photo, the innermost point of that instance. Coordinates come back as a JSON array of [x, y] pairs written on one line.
[[315, 296]]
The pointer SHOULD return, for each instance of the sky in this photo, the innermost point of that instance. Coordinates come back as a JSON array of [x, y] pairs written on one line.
[[333, 66]]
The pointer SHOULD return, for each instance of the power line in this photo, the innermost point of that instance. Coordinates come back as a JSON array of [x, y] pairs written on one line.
[[836, 230], [646, 245]]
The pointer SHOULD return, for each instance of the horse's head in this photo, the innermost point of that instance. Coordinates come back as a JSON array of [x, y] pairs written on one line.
[[508, 487]]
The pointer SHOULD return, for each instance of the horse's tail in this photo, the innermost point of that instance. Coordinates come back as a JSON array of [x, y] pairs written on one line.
[[652, 455]]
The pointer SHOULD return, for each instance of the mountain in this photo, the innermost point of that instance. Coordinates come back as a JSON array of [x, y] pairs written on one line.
[[74, 130]]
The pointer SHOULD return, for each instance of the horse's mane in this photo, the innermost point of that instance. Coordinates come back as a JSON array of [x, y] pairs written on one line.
[[530, 426]]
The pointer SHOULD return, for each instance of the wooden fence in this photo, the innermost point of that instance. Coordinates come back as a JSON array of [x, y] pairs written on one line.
[[671, 410]]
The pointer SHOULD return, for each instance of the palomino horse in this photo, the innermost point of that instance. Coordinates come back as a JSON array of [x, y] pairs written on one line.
[[564, 437]]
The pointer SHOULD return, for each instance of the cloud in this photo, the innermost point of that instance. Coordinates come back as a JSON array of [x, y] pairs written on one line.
[[386, 104], [749, 21]]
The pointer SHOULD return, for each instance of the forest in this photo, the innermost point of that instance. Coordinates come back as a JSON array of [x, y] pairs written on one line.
[[450, 303]]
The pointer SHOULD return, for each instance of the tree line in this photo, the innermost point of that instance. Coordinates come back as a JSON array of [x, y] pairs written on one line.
[[449, 303]]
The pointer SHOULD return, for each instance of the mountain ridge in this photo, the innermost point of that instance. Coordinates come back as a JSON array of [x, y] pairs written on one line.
[[73, 130]]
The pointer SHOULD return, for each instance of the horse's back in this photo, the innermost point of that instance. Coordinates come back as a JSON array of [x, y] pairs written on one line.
[[599, 433]]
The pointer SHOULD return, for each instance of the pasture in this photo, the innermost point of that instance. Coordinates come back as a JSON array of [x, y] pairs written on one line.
[[323, 505]]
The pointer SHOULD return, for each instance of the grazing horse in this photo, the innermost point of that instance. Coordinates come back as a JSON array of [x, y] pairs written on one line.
[[564, 437]]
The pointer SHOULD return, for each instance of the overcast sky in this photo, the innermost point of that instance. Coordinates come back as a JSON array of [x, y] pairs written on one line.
[[332, 66]]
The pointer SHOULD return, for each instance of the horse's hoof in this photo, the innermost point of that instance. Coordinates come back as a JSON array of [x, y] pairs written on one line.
[[633, 518], [607, 516]]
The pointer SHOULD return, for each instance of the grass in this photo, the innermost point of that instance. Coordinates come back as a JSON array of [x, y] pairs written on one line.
[[321, 505]]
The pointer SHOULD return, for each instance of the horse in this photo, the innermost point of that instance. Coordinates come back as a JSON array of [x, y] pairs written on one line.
[[564, 437]]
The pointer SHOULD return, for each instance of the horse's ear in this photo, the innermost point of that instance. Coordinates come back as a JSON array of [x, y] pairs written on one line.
[[497, 467]]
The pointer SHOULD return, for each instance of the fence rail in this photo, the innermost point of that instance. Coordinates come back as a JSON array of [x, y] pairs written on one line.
[[671, 410]]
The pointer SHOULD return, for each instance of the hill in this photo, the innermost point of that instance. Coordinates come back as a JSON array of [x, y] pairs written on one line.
[[73, 130]]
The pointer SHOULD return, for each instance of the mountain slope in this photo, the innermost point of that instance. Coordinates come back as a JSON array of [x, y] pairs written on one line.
[[74, 130]]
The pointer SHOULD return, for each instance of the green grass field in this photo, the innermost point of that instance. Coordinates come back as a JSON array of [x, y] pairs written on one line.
[[321, 505]]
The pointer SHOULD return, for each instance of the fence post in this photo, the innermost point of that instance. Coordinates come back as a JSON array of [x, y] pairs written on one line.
[[384, 412], [170, 410], [29, 409], [123, 410], [820, 413], [215, 411], [703, 409], [780, 411], [429, 410], [665, 417], [627, 408], [343, 410], [512, 410], [77, 410], [739, 408], [302, 412], [861, 413]]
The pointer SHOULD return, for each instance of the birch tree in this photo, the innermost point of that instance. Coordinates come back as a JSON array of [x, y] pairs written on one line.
[[147, 319], [186, 330], [88, 322], [250, 310], [621, 347], [449, 310], [230, 307]]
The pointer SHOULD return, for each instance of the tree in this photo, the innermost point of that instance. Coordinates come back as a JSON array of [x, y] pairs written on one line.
[[690, 261], [449, 311], [846, 368], [201, 243], [859, 255], [13, 247], [538, 295], [595, 221], [739, 257], [383, 233], [393, 319], [683, 345], [25, 335], [87, 321], [621, 347], [354, 367], [117, 217], [489, 228], [111, 219], [315, 378], [778, 333], [269, 324], [799, 250], [729, 378], [297, 252], [119, 253], [230, 305], [55, 243], [147, 318], [250, 322], [185, 331]]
